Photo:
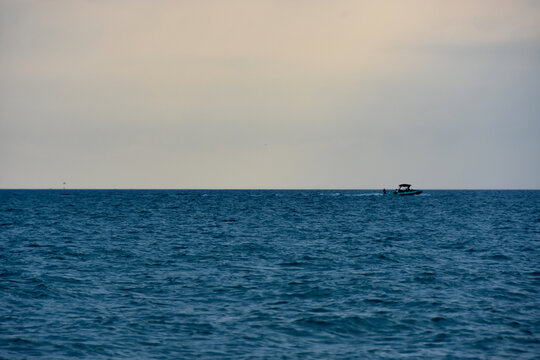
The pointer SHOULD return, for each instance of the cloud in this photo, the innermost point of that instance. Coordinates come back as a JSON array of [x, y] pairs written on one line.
[[268, 93]]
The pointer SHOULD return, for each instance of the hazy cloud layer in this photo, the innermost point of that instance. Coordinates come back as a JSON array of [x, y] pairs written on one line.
[[269, 94]]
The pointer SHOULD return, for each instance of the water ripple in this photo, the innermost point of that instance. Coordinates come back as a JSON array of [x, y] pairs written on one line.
[[269, 274]]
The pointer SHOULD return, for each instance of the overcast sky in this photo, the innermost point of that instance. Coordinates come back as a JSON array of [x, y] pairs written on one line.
[[269, 94]]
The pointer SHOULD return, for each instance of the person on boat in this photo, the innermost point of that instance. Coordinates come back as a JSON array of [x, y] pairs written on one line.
[[384, 191]]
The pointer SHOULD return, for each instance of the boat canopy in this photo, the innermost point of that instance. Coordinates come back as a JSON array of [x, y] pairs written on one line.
[[404, 185]]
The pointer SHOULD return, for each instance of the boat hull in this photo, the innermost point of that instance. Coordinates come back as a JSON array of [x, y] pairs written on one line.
[[407, 193]]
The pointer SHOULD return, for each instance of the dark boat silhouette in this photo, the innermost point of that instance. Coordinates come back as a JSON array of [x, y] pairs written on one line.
[[405, 189]]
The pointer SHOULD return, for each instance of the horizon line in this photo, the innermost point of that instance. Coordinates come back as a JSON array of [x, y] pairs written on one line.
[[263, 189]]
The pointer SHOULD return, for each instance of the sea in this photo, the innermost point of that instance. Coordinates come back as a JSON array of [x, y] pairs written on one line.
[[269, 274]]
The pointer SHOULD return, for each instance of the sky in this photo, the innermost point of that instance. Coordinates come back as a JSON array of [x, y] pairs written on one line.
[[270, 94]]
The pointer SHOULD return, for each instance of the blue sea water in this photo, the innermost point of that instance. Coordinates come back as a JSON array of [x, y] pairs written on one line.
[[269, 275]]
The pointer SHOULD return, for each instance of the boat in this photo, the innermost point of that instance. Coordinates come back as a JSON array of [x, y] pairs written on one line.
[[405, 189]]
